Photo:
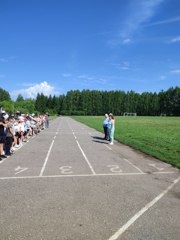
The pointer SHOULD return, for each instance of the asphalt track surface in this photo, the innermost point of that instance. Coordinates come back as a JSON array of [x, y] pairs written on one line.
[[67, 183]]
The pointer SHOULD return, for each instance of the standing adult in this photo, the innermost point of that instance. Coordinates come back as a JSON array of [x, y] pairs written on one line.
[[47, 120], [2, 137], [105, 126], [112, 128], [9, 137]]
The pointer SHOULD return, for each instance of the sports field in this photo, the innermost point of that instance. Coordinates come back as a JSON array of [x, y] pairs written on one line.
[[156, 136]]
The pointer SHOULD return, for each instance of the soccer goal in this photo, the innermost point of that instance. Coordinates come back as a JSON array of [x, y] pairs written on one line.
[[129, 114]]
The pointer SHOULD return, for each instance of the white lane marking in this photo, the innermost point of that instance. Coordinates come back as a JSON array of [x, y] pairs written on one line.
[[114, 168], [162, 172], [133, 165], [84, 155], [46, 159], [82, 175], [154, 165], [74, 135], [20, 169], [74, 175], [142, 211], [66, 170], [54, 137], [108, 147], [126, 160]]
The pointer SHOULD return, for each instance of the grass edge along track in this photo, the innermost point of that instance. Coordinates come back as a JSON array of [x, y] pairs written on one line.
[[156, 136]]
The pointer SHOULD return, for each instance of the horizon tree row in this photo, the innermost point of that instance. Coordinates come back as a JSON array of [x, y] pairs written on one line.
[[93, 102]]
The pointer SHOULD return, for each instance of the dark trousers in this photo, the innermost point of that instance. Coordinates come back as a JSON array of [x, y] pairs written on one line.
[[106, 135], [8, 145]]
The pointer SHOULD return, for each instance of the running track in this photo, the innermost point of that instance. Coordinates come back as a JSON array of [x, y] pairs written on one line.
[[67, 183]]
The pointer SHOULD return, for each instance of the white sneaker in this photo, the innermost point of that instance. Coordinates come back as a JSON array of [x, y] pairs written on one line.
[[111, 143]]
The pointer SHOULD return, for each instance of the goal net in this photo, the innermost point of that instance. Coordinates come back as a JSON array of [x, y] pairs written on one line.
[[129, 114]]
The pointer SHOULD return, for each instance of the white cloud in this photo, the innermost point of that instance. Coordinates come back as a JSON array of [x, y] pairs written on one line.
[[3, 60], [7, 59], [174, 40], [32, 91], [89, 80], [66, 75], [177, 71], [126, 41], [82, 76], [122, 66], [141, 11], [162, 77], [85, 77], [171, 20]]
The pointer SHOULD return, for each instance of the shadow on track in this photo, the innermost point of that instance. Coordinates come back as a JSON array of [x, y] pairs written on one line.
[[99, 140]]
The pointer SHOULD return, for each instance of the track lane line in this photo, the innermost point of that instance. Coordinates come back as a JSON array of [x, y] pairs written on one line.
[[142, 211], [84, 155], [46, 159], [133, 165]]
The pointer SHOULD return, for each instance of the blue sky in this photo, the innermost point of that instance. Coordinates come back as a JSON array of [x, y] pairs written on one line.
[[53, 46]]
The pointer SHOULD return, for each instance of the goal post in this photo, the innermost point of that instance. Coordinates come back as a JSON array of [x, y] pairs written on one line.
[[129, 114]]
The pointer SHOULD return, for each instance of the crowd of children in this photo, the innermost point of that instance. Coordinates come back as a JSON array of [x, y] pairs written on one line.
[[17, 129]]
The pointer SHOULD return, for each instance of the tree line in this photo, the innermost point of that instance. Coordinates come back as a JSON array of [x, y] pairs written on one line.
[[94, 102]]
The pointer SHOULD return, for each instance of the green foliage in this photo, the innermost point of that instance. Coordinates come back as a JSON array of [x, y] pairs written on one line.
[[24, 106], [4, 95], [41, 103], [156, 136], [19, 98], [8, 106], [96, 103]]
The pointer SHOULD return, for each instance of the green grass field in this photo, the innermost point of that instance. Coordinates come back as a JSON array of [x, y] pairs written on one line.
[[156, 136]]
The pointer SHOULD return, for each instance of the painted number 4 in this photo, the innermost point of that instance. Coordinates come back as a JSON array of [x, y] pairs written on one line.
[[66, 170], [114, 168]]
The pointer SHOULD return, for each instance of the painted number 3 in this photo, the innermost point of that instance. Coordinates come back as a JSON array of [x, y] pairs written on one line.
[[66, 170], [114, 168]]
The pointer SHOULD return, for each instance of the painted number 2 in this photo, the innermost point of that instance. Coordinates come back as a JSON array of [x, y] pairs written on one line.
[[114, 168], [66, 170]]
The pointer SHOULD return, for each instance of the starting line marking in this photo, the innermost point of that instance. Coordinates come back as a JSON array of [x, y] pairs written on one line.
[[82, 175]]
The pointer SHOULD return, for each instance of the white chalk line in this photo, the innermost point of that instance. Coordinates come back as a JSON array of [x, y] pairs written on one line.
[[108, 147], [46, 159], [84, 155], [142, 211], [126, 160], [133, 165], [82, 175]]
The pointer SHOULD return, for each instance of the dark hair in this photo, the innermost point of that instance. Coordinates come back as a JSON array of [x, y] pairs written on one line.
[[1, 119], [111, 115]]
